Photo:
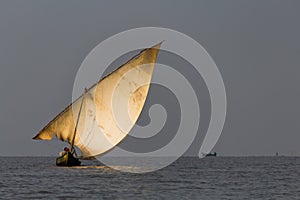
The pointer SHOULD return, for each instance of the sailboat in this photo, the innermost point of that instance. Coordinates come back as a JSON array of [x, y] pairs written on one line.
[[95, 122]]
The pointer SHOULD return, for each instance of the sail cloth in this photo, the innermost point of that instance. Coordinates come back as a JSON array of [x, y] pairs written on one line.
[[109, 110]]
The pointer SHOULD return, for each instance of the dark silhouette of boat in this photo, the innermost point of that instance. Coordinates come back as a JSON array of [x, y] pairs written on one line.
[[211, 154]]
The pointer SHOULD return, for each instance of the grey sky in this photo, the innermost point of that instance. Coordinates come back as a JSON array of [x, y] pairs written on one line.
[[255, 44]]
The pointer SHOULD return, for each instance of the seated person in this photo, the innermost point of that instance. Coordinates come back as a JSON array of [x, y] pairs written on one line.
[[62, 153]]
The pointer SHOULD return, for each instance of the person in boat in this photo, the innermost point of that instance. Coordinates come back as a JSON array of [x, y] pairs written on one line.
[[65, 151]]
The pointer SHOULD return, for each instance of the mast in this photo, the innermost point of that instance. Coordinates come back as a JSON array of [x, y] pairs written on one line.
[[77, 121]]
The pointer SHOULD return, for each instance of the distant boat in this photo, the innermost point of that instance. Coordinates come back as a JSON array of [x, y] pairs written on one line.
[[90, 124], [211, 154]]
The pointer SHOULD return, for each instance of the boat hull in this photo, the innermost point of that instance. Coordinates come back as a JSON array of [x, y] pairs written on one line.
[[67, 160], [211, 155]]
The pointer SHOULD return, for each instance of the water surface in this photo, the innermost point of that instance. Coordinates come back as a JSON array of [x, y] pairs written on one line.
[[187, 178]]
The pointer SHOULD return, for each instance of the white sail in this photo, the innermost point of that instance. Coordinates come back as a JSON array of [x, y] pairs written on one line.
[[109, 109]]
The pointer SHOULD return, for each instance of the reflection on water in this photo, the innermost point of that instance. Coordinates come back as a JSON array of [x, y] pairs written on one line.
[[114, 168]]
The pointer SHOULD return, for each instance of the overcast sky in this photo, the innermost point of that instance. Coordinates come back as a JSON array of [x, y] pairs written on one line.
[[255, 44]]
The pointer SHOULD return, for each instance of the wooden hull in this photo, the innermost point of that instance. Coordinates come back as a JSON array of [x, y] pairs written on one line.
[[67, 160]]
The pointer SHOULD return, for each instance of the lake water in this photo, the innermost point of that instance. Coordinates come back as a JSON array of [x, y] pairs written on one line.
[[187, 178]]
